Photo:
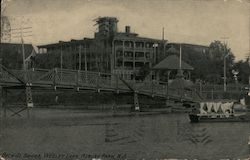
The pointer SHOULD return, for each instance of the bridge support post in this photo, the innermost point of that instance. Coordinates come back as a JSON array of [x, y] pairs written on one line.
[[1, 104], [86, 76], [98, 82], [136, 102], [77, 80], [167, 101], [116, 84], [3, 100], [152, 88], [54, 78], [29, 100]]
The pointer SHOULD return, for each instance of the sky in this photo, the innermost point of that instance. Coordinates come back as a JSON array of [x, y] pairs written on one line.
[[184, 21]]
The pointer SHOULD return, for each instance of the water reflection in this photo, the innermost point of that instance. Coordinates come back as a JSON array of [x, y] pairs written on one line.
[[193, 134], [124, 133]]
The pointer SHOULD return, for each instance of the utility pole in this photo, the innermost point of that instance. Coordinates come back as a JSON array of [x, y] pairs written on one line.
[[224, 59], [180, 72], [163, 43], [225, 75], [21, 33], [162, 33], [249, 68], [225, 72], [23, 51], [61, 57], [180, 57], [61, 60], [1, 26], [1, 58], [249, 61], [85, 62], [85, 59], [80, 58]]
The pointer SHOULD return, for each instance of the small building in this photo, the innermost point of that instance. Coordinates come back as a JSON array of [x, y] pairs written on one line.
[[73, 54], [167, 69], [11, 55]]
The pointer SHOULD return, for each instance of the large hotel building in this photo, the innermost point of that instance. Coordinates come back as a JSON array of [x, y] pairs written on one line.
[[123, 53]]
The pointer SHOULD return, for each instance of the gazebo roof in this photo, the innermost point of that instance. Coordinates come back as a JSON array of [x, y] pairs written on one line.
[[172, 63]]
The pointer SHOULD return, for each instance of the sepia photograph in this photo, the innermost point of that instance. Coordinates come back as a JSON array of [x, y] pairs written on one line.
[[125, 80]]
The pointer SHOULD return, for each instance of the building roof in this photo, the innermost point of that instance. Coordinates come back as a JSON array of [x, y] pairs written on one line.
[[133, 36], [171, 63], [188, 44], [85, 40], [11, 48]]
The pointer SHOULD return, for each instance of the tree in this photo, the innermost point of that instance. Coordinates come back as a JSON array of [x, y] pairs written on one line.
[[208, 62], [244, 71], [217, 53]]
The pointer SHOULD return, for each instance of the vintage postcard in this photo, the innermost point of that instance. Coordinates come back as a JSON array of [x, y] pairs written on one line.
[[125, 80]]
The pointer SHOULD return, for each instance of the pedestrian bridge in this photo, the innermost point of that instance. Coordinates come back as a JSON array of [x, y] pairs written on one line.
[[81, 80], [57, 79]]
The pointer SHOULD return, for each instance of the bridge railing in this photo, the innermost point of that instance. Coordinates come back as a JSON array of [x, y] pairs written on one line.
[[10, 76], [211, 91], [152, 87], [97, 80], [76, 78], [31, 75], [162, 88], [104, 79], [5, 77], [210, 87], [38, 73], [64, 77]]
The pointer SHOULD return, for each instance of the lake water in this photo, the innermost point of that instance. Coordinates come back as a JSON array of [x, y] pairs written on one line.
[[78, 134]]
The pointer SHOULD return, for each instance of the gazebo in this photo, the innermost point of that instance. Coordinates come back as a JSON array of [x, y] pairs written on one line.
[[170, 64]]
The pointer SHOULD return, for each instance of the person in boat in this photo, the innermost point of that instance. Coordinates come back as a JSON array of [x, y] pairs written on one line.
[[247, 98], [195, 108], [203, 108], [243, 97], [213, 110]]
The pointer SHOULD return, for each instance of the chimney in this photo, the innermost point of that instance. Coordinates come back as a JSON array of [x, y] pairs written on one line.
[[127, 29]]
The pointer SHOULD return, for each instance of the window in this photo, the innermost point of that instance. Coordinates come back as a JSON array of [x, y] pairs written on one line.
[[147, 55], [139, 54], [119, 53]]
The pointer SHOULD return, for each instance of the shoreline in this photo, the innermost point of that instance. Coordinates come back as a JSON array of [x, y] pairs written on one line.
[[71, 112]]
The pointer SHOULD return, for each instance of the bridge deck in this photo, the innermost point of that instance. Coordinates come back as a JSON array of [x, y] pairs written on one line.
[[74, 79]]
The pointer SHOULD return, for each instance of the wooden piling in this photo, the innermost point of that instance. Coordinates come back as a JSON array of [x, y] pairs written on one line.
[[4, 96]]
